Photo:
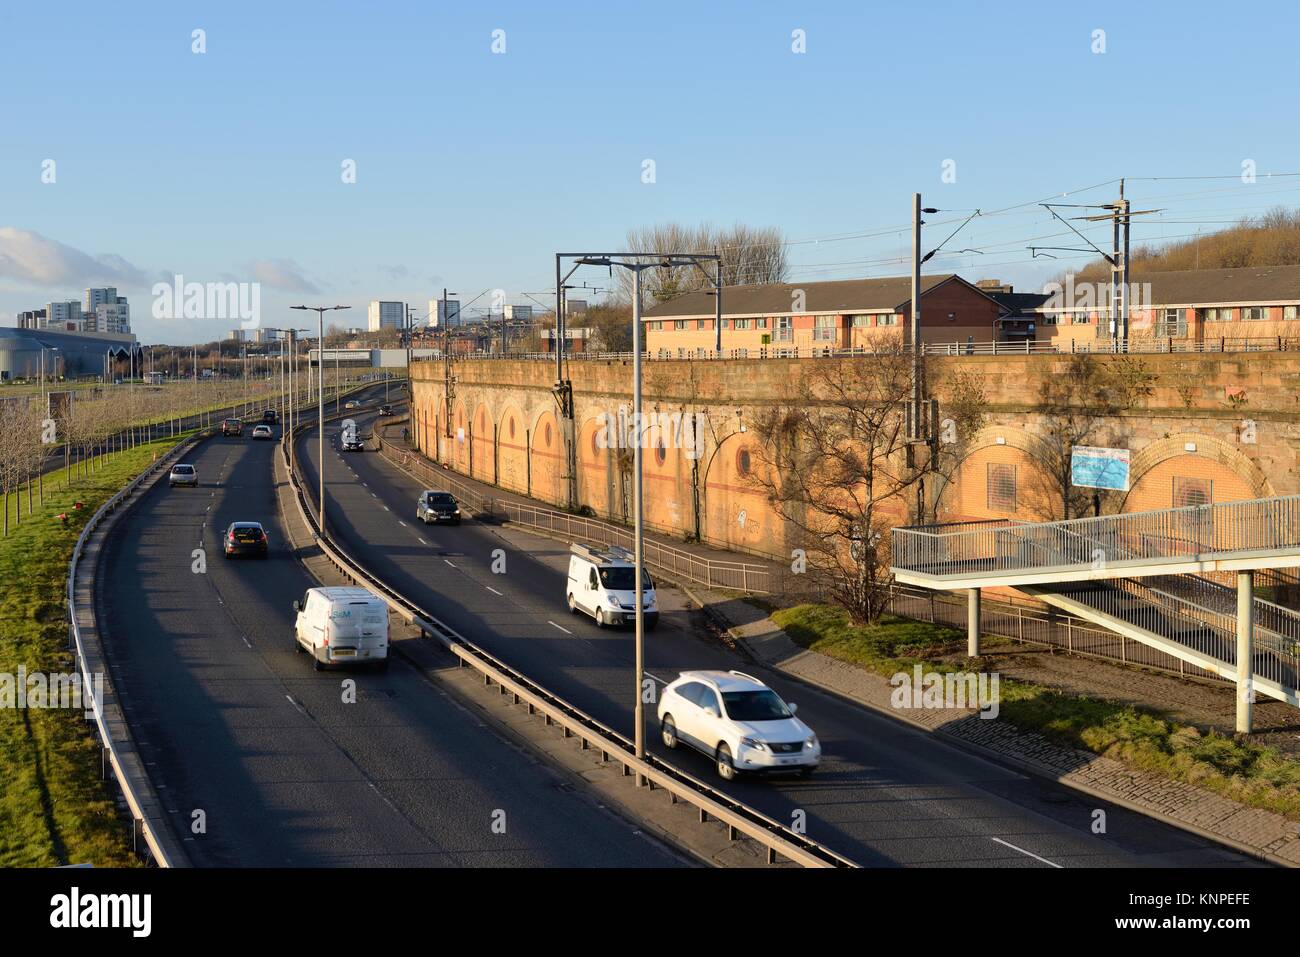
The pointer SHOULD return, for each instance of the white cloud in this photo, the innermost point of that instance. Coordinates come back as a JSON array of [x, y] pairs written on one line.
[[282, 274], [32, 258]]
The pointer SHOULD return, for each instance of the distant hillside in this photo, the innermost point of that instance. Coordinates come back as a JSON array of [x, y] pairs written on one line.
[[1272, 239]]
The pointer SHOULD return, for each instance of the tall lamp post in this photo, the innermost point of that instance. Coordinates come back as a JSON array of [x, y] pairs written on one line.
[[320, 404], [633, 262]]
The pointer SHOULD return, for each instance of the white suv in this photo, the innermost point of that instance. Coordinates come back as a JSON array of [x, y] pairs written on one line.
[[738, 721]]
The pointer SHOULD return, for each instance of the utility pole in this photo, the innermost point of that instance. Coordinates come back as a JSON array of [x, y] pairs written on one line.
[[1125, 287], [914, 432], [320, 403], [717, 303]]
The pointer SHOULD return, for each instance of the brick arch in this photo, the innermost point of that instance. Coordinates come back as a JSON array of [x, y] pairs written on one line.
[[459, 427], [512, 448], [547, 455], [966, 495], [598, 478], [736, 512], [1152, 473], [484, 442]]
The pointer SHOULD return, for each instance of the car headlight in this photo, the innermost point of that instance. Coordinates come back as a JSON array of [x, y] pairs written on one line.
[[811, 742], [754, 743], [456, 512]]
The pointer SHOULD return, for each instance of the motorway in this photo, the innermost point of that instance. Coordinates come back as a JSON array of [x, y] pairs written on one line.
[[885, 795], [232, 723]]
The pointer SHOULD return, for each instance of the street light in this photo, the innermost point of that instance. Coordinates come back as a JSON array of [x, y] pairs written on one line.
[[630, 262], [320, 402]]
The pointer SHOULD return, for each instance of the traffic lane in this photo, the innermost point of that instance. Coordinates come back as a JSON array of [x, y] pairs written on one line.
[[285, 772], [917, 798]]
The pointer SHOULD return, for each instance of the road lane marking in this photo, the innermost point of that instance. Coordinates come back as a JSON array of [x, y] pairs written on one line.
[[401, 523], [656, 678], [449, 563], [387, 509], [561, 627], [494, 591], [300, 708], [998, 840]]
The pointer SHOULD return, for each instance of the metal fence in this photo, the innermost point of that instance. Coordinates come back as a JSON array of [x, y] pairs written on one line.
[[1170, 534], [1137, 346], [672, 562]]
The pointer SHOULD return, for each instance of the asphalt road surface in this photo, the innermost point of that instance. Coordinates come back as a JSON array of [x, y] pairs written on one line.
[[885, 794], [233, 723]]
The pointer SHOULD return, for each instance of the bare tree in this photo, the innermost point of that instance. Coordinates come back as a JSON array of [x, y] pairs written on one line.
[[749, 255], [1079, 405], [833, 464]]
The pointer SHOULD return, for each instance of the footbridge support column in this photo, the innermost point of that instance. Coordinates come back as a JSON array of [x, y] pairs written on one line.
[[972, 622], [1245, 651]]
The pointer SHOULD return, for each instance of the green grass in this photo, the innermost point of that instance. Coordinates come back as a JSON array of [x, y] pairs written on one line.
[[1256, 775], [54, 809]]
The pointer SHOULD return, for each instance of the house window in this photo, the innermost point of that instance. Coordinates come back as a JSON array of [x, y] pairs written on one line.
[[1048, 320], [1001, 487], [1218, 315], [784, 329], [740, 323], [1081, 319], [952, 317], [679, 323], [701, 324], [1173, 323], [1254, 314], [825, 328], [887, 319], [1291, 312], [760, 324]]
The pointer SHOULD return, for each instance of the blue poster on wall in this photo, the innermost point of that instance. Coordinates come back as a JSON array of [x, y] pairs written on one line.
[[1092, 467]]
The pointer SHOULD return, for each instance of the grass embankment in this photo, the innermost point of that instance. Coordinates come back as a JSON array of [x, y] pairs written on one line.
[[1256, 775], [54, 809]]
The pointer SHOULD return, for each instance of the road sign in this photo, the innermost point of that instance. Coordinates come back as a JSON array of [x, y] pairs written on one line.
[[1092, 467]]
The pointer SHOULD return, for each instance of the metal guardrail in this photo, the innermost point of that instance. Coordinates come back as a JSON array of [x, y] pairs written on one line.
[[671, 562], [1155, 345], [1194, 532], [148, 829], [739, 818]]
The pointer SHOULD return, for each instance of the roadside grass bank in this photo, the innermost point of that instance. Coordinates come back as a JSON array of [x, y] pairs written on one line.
[[54, 809], [1254, 775]]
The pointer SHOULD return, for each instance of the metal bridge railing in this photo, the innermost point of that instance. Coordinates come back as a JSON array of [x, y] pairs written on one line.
[[1198, 531]]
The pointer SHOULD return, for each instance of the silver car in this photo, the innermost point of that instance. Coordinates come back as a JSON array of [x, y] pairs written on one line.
[[182, 474]]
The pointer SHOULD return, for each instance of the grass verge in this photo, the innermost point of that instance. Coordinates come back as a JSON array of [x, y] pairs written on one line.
[[1252, 774], [54, 809]]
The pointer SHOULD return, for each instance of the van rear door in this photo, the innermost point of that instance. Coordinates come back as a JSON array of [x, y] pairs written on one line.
[[359, 628]]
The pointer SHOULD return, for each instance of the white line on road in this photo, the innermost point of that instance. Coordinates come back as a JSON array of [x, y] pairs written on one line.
[[561, 627], [449, 563], [494, 591], [656, 678], [300, 708], [387, 509], [998, 840], [401, 523]]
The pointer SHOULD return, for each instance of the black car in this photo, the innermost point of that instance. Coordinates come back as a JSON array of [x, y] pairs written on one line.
[[385, 410], [269, 417], [434, 507], [245, 538]]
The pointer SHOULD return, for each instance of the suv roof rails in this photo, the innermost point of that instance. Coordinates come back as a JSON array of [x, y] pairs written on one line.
[[741, 674]]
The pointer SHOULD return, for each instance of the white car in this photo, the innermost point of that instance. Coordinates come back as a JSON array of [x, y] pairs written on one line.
[[739, 722], [352, 404], [183, 474], [263, 432], [603, 585]]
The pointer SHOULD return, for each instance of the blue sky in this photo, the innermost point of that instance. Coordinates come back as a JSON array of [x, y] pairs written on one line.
[[474, 168]]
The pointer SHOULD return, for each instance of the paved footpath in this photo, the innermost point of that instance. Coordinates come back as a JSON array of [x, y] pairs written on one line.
[[1260, 833]]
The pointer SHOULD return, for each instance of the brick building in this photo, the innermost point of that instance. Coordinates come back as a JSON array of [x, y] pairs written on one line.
[[850, 313]]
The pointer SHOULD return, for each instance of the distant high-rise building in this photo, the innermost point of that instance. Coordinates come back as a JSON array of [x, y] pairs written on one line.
[[386, 315], [447, 311], [31, 319], [519, 313], [63, 316], [573, 307], [98, 297]]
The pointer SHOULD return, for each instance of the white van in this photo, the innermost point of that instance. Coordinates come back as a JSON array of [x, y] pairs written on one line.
[[603, 584], [342, 624]]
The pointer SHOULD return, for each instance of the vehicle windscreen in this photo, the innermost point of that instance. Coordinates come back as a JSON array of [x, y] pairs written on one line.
[[246, 533], [763, 705], [182, 469], [623, 578], [441, 498]]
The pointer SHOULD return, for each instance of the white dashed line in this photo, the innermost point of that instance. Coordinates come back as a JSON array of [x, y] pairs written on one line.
[[402, 523], [998, 840], [494, 591], [449, 563], [387, 509], [561, 627]]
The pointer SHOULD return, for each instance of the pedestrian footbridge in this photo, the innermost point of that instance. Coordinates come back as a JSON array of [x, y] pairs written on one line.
[[1140, 574]]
